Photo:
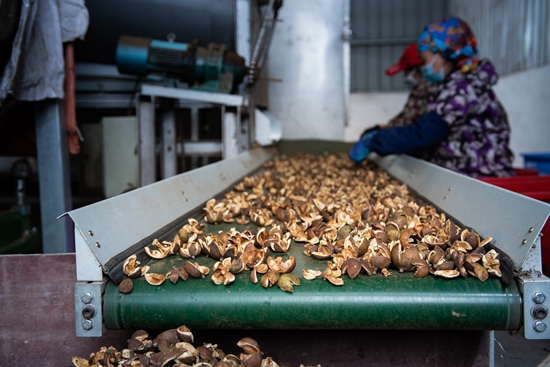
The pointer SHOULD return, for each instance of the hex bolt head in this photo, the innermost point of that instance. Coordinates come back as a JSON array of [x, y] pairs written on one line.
[[88, 324], [539, 326], [539, 297], [87, 297]]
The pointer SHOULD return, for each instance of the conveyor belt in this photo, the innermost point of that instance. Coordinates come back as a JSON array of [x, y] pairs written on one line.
[[109, 231], [400, 301]]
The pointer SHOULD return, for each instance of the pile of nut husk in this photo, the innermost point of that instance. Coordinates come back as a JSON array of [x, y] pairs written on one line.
[[355, 218], [174, 348]]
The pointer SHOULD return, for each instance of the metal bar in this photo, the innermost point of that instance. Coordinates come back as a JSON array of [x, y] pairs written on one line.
[[535, 289], [104, 100], [382, 42], [177, 93], [346, 37], [53, 172], [242, 29], [230, 135], [87, 266], [199, 148], [194, 134], [168, 156], [146, 128]]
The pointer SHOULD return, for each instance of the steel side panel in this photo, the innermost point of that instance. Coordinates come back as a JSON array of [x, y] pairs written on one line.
[[187, 94], [111, 226], [513, 221]]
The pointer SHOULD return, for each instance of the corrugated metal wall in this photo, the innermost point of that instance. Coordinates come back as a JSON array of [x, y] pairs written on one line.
[[513, 34], [381, 31]]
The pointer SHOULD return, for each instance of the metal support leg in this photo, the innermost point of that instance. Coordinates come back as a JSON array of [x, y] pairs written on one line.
[[230, 134], [54, 179], [194, 134], [169, 153], [146, 126]]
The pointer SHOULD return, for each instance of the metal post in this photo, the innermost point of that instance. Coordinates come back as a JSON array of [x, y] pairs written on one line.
[[54, 178], [230, 134], [146, 126], [194, 134], [169, 153]]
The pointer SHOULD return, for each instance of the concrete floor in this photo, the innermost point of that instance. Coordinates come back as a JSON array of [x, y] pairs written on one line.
[[516, 351]]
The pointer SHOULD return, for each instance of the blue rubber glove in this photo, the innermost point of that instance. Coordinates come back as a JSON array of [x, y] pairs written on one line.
[[360, 150]]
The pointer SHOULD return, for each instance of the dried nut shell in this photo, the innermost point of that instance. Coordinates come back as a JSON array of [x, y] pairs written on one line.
[[130, 267], [251, 360], [190, 354], [183, 234], [447, 273], [144, 269], [173, 275], [254, 276], [171, 336], [155, 279], [237, 266], [289, 265], [479, 272], [156, 253], [310, 274], [135, 344], [249, 345], [447, 265], [192, 270], [262, 268], [353, 267], [471, 238], [80, 362], [380, 262], [184, 334], [286, 281], [367, 266], [182, 273], [204, 353], [140, 335], [335, 280], [126, 286]]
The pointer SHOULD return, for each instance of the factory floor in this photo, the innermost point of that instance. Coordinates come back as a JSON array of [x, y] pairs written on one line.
[[516, 351]]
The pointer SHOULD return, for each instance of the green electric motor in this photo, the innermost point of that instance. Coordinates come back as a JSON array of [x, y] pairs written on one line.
[[211, 69]]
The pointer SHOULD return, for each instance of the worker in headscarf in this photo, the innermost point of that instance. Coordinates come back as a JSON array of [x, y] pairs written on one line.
[[421, 89], [466, 128]]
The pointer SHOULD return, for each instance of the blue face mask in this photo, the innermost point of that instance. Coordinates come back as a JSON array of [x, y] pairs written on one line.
[[428, 72]]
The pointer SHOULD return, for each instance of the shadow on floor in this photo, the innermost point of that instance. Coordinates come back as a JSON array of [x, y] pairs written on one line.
[[516, 351]]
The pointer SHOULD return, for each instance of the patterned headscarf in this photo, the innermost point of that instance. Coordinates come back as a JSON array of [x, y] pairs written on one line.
[[453, 39]]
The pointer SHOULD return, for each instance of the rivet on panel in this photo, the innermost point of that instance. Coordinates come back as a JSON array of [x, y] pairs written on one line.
[[97, 245], [90, 232], [531, 229], [523, 242]]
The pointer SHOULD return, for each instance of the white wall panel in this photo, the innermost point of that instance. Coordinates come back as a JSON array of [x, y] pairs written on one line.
[[306, 53]]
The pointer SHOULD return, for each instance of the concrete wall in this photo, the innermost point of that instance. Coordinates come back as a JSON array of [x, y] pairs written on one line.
[[526, 98], [524, 95], [306, 54]]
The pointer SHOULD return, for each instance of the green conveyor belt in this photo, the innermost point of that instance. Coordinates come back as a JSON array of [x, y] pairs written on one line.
[[367, 302]]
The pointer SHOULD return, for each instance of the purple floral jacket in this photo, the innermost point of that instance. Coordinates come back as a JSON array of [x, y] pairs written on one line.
[[417, 104], [477, 144]]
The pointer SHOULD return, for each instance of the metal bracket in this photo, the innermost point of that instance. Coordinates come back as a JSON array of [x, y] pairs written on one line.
[[536, 290], [88, 307]]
